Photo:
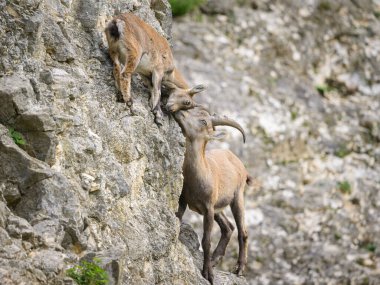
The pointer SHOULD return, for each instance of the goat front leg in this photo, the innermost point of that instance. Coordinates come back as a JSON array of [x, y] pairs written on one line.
[[182, 205], [125, 77], [116, 69], [125, 88], [208, 220], [155, 97], [237, 208], [226, 229]]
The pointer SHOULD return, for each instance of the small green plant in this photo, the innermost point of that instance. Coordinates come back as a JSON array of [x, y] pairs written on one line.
[[324, 6], [342, 151], [181, 7], [294, 115], [368, 246], [323, 88], [17, 137], [344, 187], [88, 273], [371, 247]]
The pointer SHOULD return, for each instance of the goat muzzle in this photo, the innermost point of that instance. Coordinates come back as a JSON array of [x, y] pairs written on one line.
[[224, 121]]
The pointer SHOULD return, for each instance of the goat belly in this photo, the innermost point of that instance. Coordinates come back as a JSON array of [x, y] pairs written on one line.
[[195, 209], [221, 204]]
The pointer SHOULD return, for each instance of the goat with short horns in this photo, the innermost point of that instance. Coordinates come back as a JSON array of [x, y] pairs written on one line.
[[135, 46], [213, 180]]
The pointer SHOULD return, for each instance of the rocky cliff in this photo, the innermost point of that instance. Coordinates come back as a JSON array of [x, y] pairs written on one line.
[[88, 177]]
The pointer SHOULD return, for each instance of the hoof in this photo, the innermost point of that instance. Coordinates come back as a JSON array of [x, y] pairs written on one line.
[[158, 117], [239, 269], [159, 121], [129, 103], [208, 275], [133, 110]]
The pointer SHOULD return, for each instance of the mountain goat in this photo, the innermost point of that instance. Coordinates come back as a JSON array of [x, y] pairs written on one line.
[[134, 46], [213, 180]]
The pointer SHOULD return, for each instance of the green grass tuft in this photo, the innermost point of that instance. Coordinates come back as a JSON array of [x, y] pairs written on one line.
[[294, 115], [342, 151], [323, 88], [337, 236], [368, 245], [17, 137], [181, 7], [88, 273], [324, 6], [344, 187]]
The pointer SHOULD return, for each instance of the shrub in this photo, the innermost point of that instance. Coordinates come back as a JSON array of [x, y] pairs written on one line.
[[181, 7], [17, 137], [88, 273]]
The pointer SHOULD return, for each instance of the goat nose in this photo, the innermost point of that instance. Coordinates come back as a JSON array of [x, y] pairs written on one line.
[[168, 106]]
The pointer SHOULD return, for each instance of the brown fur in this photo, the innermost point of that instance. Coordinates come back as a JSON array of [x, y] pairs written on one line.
[[213, 180], [134, 46]]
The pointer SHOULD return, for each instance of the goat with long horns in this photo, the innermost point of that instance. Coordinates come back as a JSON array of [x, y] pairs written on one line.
[[213, 180]]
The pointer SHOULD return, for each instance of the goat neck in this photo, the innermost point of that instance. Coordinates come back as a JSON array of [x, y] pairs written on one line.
[[195, 156]]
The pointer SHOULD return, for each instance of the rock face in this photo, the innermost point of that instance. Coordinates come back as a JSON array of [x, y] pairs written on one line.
[[303, 77], [91, 179]]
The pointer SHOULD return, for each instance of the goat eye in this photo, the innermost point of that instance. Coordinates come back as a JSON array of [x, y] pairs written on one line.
[[187, 102], [204, 122]]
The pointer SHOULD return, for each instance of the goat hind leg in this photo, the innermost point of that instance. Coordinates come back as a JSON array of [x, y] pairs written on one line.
[[237, 208], [226, 228]]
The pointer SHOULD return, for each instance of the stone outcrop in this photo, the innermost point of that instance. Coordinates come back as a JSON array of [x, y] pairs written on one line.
[[93, 178]]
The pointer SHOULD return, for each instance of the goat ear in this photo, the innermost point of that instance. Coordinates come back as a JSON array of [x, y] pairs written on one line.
[[197, 89], [218, 136]]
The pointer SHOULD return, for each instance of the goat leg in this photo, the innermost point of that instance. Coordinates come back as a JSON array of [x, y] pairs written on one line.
[[208, 220], [131, 63], [156, 88], [181, 207], [116, 68], [158, 115], [125, 88], [156, 95], [226, 229], [237, 208]]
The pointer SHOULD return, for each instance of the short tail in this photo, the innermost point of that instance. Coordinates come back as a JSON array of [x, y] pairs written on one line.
[[113, 30], [249, 180]]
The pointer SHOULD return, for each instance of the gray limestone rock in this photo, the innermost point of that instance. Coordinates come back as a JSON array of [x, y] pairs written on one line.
[[91, 179], [218, 6]]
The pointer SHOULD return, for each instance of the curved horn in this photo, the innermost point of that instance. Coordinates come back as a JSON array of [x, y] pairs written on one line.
[[202, 108], [224, 121]]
